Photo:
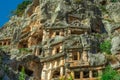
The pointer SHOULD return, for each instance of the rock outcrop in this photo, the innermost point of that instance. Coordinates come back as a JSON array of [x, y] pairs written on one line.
[[57, 38]]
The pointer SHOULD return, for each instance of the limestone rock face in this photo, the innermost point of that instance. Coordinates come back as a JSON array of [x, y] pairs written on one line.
[[97, 59], [113, 9], [83, 11], [115, 44], [54, 38], [110, 15]]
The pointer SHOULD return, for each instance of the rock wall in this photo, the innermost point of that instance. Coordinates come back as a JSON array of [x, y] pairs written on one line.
[[53, 38]]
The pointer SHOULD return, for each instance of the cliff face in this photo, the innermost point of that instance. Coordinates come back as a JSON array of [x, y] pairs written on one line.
[[54, 38]]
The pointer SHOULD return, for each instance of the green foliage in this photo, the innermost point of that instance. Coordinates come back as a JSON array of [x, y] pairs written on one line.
[[109, 20], [110, 74], [23, 50], [21, 8], [70, 78], [67, 78], [62, 78], [114, 0], [1, 78], [105, 47], [103, 8], [98, 35], [22, 74], [4, 48]]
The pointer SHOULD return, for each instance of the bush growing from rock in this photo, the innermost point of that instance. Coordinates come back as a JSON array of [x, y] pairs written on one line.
[[21, 8], [105, 47], [110, 74], [22, 74]]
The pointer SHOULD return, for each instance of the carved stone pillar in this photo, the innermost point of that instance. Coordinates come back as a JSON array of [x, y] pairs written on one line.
[[90, 74], [2, 43], [60, 48], [53, 35], [37, 51], [61, 33], [46, 35], [78, 55], [61, 71], [85, 58], [55, 64], [69, 32], [81, 75], [7, 43], [49, 75], [44, 72], [61, 61], [50, 65], [54, 51]]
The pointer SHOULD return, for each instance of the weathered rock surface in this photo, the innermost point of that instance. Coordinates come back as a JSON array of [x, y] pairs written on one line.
[[115, 44], [55, 34]]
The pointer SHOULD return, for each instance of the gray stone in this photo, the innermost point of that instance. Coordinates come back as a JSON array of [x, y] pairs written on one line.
[[114, 11], [1, 73], [6, 77], [97, 59], [115, 45]]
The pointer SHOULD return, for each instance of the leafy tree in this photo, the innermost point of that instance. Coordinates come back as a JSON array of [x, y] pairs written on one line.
[[21, 8], [105, 47], [110, 74], [22, 74]]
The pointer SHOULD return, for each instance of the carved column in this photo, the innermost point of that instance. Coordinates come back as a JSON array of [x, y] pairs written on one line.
[[62, 62], [61, 71], [49, 74], [54, 51], [69, 32], [81, 75], [53, 35], [60, 48], [78, 54], [50, 65], [55, 64], [37, 51], [90, 74], [44, 73], [85, 58], [7, 43], [61, 33], [2, 43]]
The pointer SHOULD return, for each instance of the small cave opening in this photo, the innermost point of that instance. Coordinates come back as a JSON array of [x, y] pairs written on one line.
[[40, 51], [58, 50], [57, 33], [75, 57], [4, 43], [95, 73], [104, 2], [77, 74], [25, 45], [86, 74], [56, 73], [9, 43], [27, 71], [0, 43]]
